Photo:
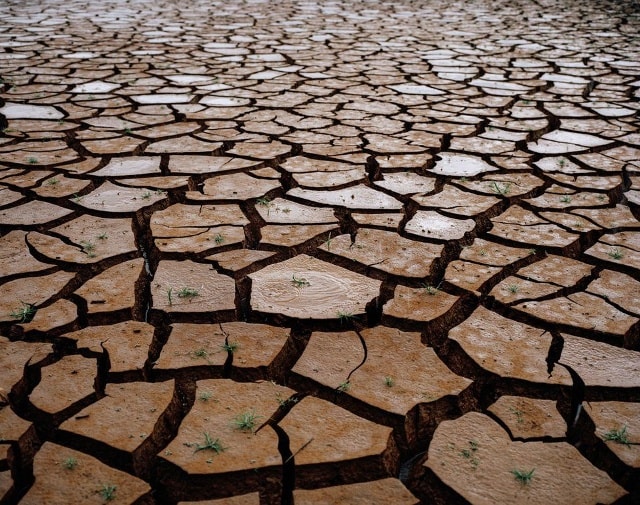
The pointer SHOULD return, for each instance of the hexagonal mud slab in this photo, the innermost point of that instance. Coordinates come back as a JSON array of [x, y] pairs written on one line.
[[307, 288], [475, 456]]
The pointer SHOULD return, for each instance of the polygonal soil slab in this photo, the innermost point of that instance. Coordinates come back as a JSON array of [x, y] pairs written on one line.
[[406, 183], [191, 345], [14, 356], [125, 417], [113, 289], [398, 372], [621, 248], [56, 315], [238, 187], [418, 304], [238, 259], [64, 476], [529, 417], [460, 165], [456, 201], [216, 413], [191, 164], [283, 211], [378, 492], [523, 226], [31, 213], [320, 432], [119, 199], [127, 343], [186, 286], [90, 239], [618, 424], [292, 235], [138, 165], [614, 287], [386, 251], [356, 197], [17, 294], [474, 456], [303, 165], [64, 384], [181, 220], [308, 288], [507, 348], [600, 364], [582, 310], [431, 224]]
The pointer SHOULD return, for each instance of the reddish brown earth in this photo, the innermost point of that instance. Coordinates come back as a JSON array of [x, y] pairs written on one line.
[[277, 253]]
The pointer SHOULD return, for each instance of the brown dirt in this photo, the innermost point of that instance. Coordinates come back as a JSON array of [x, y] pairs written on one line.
[[283, 253]]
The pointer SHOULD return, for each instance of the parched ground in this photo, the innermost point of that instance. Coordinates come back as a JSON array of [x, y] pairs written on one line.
[[325, 252]]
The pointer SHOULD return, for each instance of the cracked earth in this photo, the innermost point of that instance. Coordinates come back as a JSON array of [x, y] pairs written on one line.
[[319, 252]]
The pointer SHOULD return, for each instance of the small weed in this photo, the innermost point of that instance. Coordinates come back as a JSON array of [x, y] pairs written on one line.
[[201, 353], [615, 253], [619, 436], [388, 381], [283, 402], [127, 131], [513, 288], [88, 247], [25, 313], [265, 202], [522, 476], [70, 463], [209, 444], [532, 251], [103, 236], [107, 492], [76, 197], [301, 282], [188, 293], [483, 252], [205, 396], [246, 421], [518, 413], [230, 347], [328, 242], [565, 199], [430, 290], [52, 182], [218, 239], [562, 162], [146, 195], [169, 291], [344, 316], [343, 387], [470, 453], [32, 160], [500, 189], [601, 197], [286, 210]]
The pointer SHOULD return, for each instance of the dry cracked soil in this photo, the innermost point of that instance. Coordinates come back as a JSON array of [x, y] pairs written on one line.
[[333, 252]]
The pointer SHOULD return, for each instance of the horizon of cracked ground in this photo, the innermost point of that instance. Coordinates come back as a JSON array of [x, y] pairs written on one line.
[[319, 252]]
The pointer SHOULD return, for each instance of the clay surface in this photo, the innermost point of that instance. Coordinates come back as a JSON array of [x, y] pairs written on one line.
[[283, 253]]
